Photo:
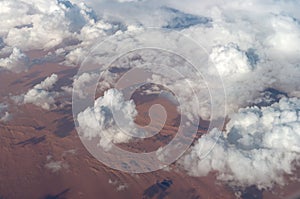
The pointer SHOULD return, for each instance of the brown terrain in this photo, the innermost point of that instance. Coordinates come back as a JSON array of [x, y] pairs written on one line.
[[35, 139]]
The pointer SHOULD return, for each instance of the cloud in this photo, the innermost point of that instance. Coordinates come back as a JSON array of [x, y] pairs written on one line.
[[42, 25], [56, 166], [122, 187], [4, 114], [40, 94], [230, 60], [260, 146], [122, 1], [82, 83], [286, 34], [244, 42], [119, 185], [98, 121], [66, 25], [36, 25], [6, 117], [17, 61], [48, 83]]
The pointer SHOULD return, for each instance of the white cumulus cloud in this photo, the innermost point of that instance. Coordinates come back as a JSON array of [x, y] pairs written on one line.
[[259, 147], [17, 61], [40, 94], [99, 122], [230, 60], [4, 114]]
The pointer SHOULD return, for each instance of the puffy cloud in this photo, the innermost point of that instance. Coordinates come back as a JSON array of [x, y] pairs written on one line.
[[286, 37], [42, 24], [122, 187], [33, 25], [99, 121], [4, 114], [82, 83], [260, 146], [119, 185], [17, 61], [37, 25], [48, 83], [40, 94], [56, 166], [230, 60], [5, 117]]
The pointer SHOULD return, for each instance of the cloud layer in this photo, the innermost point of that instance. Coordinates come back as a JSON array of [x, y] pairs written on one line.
[[255, 46], [244, 41]]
